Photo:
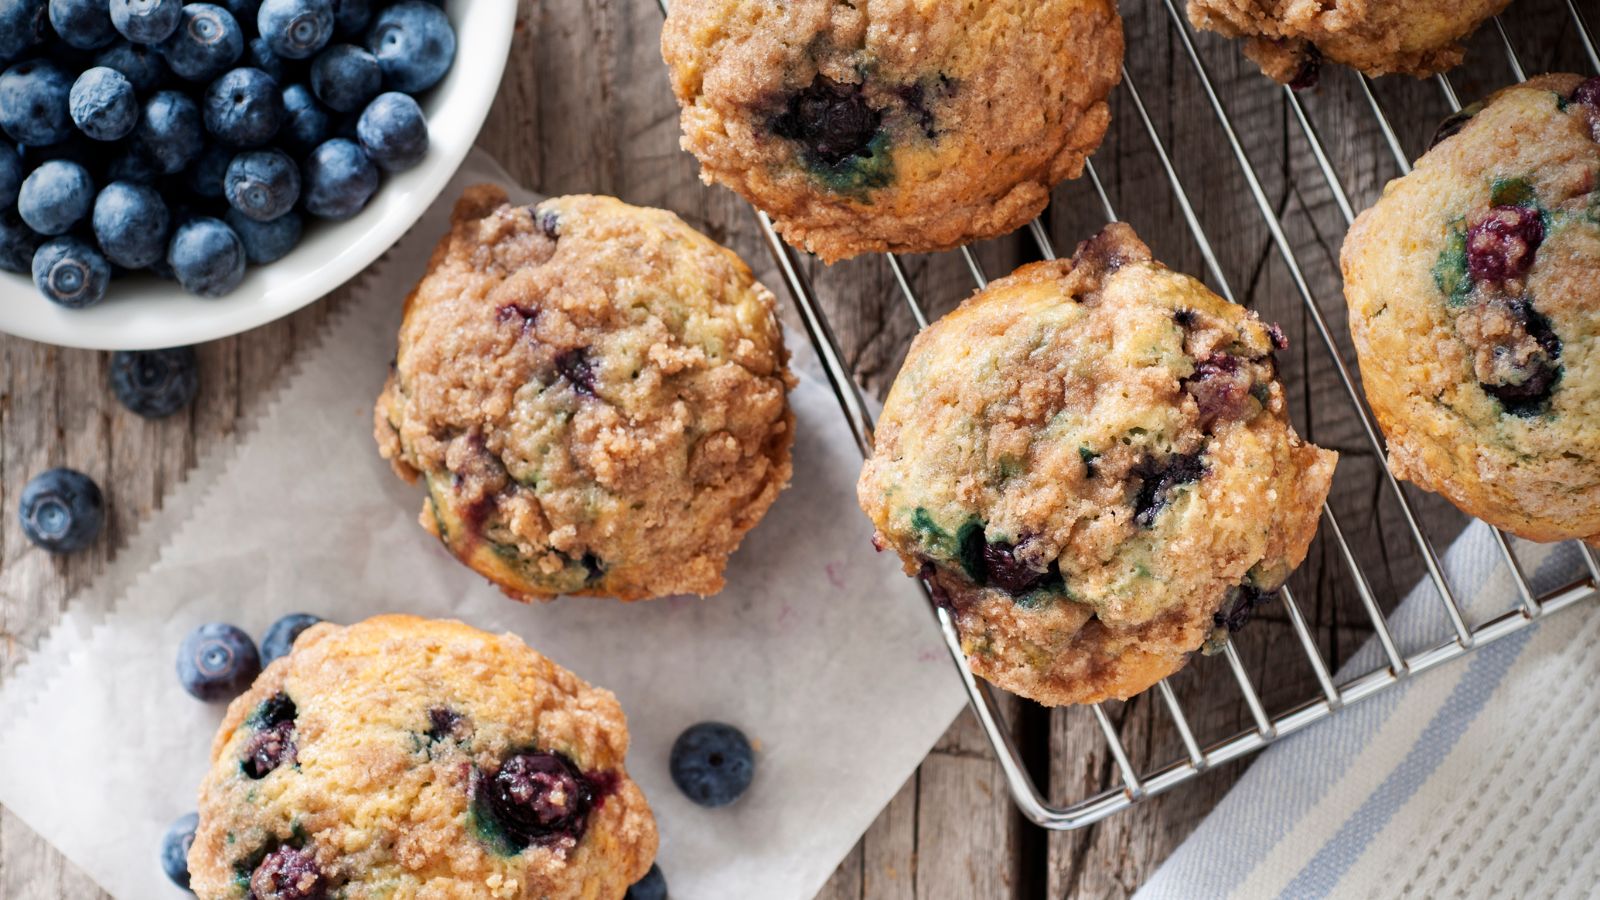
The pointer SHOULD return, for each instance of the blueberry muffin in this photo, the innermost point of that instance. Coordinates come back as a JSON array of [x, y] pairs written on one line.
[[407, 757], [1090, 465], [594, 395], [1289, 38], [1474, 294], [897, 126]]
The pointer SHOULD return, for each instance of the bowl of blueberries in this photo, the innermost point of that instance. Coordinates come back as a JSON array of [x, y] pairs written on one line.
[[176, 172]]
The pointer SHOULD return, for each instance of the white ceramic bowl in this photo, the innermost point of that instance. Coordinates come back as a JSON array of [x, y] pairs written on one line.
[[143, 312]]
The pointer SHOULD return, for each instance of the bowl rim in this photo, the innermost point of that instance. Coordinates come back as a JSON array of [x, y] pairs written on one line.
[[142, 312]]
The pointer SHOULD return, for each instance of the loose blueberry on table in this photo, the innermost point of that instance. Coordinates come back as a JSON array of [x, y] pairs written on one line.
[[127, 122], [217, 660], [712, 763], [279, 639], [175, 849], [155, 383], [653, 886], [62, 510]]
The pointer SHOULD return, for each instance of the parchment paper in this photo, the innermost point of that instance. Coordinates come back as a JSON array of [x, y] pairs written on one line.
[[819, 648]]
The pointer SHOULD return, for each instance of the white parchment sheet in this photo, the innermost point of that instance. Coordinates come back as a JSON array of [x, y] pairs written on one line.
[[820, 649]]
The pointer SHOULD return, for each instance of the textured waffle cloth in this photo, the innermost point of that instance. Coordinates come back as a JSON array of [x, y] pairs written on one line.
[[1472, 780]]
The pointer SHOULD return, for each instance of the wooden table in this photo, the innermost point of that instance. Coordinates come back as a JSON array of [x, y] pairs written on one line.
[[585, 107]]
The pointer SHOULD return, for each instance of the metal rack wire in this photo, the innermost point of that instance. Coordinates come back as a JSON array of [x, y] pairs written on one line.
[[1526, 608]]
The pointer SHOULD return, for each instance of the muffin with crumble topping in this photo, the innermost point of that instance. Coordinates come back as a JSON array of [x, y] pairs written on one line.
[[593, 394], [408, 757], [893, 126], [1090, 464], [1288, 39], [1474, 293]]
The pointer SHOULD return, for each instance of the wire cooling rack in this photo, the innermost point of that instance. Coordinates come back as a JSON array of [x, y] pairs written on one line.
[[1526, 607]]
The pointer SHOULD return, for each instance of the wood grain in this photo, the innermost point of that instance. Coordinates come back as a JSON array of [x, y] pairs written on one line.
[[584, 107]]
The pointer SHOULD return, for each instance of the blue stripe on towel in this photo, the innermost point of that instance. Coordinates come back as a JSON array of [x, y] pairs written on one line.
[[1289, 780], [1323, 872]]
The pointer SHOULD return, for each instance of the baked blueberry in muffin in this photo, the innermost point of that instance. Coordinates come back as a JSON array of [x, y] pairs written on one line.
[[594, 396], [407, 757], [1288, 39], [893, 126], [1090, 464], [1474, 294]]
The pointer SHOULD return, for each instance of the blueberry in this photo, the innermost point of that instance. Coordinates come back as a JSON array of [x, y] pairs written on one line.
[[1221, 389], [351, 17], [414, 44], [280, 637], [266, 242], [1240, 603], [71, 273], [132, 166], [243, 10], [345, 77], [208, 41], [206, 256], [296, 29], [1158, 479], [1453, 124], [536, 797], [1527, 361], [653, 886], [146, 21], [712, 763], [169, 132], [393, 131], [257, 55], [130, 224], [1588, 93], [574, 365], [175, 849], [1502, 243], [217, 661], [23, 23], [273, 743], [339, 179], [141, 65], [34, 104], [155, 383], [262, 184], [288, 873], [831, 120], [84, 24], [10, 175], [103, 105], [204, 176], [306, 122], [55, 196], [18, 243], [443, 723], [244, 108], [62, 510], [1310, 72], [1004, 569]]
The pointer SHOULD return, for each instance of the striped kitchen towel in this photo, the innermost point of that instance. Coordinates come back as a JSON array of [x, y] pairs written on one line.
[[1473, 780]]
